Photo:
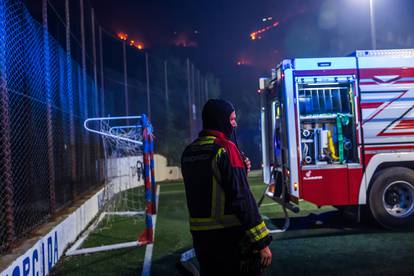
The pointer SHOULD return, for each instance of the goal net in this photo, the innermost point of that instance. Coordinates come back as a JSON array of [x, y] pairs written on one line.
[[129, 195]]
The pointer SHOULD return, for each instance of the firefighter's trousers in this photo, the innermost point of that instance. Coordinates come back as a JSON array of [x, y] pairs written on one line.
[[220, 252]]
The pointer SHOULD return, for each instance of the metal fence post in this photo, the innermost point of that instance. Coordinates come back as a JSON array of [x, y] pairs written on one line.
[[95, 140], [193, 104], [102, 91], [86, 152], [5, 139], [206, 88], [95, 71], [189, 99], [84, 84], [199, 102], [71, 97], [125, 78], [202, 100], [50, 145], [167, 100]]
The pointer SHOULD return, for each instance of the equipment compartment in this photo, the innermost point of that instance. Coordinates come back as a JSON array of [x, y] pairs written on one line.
[[327, 123]]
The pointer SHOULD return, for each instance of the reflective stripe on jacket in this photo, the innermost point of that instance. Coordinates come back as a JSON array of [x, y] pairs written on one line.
[[217, 190]]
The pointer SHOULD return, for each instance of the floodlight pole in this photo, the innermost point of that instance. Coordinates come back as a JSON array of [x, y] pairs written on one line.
[[125, 78], [147, 73]]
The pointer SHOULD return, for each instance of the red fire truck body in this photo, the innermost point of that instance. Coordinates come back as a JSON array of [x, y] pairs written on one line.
[[340, 131]]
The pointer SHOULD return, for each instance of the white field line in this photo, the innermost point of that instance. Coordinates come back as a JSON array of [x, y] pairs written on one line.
[[146, 270]]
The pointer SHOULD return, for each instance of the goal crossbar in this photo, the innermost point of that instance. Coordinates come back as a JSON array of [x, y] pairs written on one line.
[[128, 135]]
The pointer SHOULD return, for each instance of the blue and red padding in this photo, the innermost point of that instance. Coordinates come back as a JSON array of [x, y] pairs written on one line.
[[149, 180]]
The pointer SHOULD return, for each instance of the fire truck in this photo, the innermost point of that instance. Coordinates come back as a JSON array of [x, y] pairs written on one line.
[[340, 131]]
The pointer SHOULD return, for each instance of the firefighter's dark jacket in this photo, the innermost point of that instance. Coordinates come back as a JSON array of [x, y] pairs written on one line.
[[217, 190]]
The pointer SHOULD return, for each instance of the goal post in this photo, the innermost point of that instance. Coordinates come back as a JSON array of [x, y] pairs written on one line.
[[129, 200], [149, 179]]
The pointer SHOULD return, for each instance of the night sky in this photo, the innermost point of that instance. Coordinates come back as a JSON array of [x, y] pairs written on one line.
[[220, 29]]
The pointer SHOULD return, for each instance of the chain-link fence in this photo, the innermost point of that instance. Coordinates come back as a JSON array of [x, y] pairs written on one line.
[[58, 66]]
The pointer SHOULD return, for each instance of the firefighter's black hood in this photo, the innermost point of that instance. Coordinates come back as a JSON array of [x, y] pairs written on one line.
[[216, 116]]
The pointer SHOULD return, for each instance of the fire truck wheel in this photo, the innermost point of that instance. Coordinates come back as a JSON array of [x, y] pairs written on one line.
[[391, 198]]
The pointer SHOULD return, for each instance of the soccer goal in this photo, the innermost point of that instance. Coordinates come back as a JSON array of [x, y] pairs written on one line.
[[127, 214]]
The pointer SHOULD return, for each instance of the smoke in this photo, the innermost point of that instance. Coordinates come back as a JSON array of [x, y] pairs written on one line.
[[327, 15]]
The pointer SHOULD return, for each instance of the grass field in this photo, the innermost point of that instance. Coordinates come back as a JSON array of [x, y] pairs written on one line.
[[319, 242]]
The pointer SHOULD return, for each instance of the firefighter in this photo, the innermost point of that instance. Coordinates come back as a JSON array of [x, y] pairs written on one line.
[[228, 233]]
